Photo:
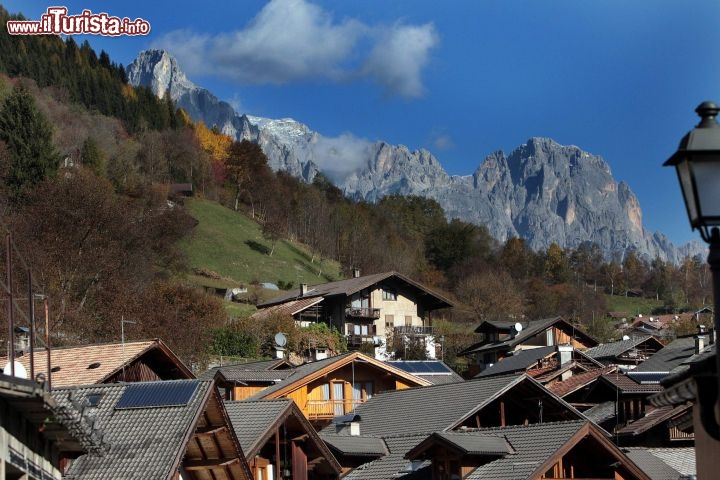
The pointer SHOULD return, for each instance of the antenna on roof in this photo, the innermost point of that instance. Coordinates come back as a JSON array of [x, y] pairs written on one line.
[[122, 340], [280, 342]]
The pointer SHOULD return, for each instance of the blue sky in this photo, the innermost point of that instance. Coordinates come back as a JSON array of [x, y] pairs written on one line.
[[462, 79]]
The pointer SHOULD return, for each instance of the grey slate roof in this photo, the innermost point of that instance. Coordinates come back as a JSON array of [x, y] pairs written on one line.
[[614, 349], [530, 452], [669, 357], [390, 465], [601, 412], [652, 465], [438, 407], [481, 444], [142, 442], [520, 361], [251, 371], [356, 445], [251, 420], [681, 459]]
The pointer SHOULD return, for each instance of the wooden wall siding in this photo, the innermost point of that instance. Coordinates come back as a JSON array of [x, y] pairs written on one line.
[[243, 392], [401, 385], [138, 371], [299, 463]]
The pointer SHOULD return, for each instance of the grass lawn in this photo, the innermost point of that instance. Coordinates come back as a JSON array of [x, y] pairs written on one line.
[[632, 305], [232, 245]]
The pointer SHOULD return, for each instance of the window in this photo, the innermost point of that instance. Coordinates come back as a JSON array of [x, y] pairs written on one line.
[[408, 320], [389, 295], [389, 321]]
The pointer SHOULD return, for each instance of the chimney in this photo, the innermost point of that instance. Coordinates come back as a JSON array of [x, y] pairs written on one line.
[[700, 339], [303, 289], [565, 353], [356, 272]]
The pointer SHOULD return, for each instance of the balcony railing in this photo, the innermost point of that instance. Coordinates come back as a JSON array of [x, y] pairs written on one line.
[[369, 313], [413, 330], [357, 340], [323, 409]]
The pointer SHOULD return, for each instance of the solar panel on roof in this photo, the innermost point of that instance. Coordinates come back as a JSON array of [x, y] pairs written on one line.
[[156, 394]]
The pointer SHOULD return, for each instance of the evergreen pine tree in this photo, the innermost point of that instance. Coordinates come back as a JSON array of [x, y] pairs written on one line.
[[28, 136]]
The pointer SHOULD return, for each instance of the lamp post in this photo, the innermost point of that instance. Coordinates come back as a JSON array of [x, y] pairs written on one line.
[[697, 162]]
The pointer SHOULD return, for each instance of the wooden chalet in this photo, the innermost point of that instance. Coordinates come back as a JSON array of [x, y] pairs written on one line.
[[106, 363], [335, 386], [576, 449], [502, 339], [279, 441], [366, 309]]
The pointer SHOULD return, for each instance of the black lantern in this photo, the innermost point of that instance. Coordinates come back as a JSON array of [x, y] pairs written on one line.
[[697, 162]]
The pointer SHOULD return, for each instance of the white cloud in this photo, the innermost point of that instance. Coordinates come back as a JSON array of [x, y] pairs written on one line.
[[398, 57], [293, 40], [339, 156], [443, 142]]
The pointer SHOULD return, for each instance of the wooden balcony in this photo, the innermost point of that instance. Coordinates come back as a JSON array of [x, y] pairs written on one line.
[[362, 313], [357, 340], [327, 409]]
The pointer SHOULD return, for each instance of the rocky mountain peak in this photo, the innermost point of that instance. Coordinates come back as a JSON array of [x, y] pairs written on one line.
[[542, 191]]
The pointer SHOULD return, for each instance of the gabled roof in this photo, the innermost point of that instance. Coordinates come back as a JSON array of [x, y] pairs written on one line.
[[255, 423], [533, 457], [151, 429], [669, 357], [578, 381], [90, 364], [518, 362], [260, 371], [616, 349], [530, 329], [356, 445], [390, 465], [627, 385], [601, 412], [463, 443], [304, 374], [654, 466], [290, 307], [444, 407], [356, 284], [652, 419]]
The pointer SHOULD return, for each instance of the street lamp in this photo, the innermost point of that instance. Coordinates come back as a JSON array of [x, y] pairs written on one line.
[[697, 162]]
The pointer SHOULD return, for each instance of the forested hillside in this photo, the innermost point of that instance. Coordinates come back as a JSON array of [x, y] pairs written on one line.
[[86, 164]]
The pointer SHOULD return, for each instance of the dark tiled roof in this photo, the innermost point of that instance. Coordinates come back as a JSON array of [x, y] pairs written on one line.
[[578, 381], [389, 466], [518, 362], [356, 445], [477, 444], [627, 385], [601, 412], [440, 407], [272, 365], [652, 419], [142, 442], [681, 459], [530, 453], [652, 465], [669, 357], [252, 420], [353, 285], [615, 349], [291, 307]]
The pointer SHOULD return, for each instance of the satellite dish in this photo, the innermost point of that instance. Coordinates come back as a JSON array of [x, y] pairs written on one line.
[[280, 339], [518, 327], [625, 337], [20, 371]]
